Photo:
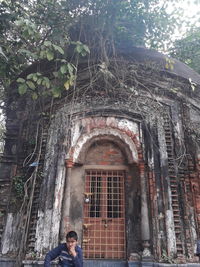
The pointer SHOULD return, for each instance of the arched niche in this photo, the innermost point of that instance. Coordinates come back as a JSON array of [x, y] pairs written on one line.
[[105, 150], [117, 151], [126, 144]]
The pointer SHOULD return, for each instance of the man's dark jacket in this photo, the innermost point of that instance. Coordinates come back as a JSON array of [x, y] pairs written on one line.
[[65, 259]]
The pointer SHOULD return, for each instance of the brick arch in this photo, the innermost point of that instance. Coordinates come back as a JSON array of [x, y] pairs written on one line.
[[125, 139], [103, 150]]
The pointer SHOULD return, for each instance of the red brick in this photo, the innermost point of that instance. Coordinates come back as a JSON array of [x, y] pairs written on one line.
[[105, 153]]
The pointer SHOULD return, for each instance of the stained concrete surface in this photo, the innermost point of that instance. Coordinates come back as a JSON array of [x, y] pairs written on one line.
[[101, 263]]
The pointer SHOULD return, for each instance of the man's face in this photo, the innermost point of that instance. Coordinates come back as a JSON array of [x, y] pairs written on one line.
[[71, 243]]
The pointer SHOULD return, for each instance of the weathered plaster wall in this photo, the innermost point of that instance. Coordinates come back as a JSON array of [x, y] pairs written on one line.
[[133, 210], [70, 137], [7, 238], [99, 126], [164, 195], [81, 132], [51, 195]]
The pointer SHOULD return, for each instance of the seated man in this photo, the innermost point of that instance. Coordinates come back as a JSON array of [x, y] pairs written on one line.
[[69, 253]]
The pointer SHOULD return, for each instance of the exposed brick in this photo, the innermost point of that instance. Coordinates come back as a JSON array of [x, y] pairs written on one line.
[[105, 153], [129, 133]]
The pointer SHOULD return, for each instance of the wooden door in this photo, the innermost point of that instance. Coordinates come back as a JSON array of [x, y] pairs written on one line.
[[104, 216]]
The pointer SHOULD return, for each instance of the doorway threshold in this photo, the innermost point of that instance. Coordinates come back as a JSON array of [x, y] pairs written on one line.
[[105, 263]]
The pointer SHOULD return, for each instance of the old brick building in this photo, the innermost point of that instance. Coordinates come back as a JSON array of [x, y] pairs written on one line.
[[116, 160]]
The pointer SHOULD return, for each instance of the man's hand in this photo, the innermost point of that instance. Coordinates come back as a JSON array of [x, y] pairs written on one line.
[[71, 244], [72, 250]]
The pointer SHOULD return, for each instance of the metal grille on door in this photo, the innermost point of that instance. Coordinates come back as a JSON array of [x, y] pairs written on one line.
[[104, 218]]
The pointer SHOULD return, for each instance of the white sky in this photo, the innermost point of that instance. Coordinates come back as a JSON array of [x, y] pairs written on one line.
[[191, 12]]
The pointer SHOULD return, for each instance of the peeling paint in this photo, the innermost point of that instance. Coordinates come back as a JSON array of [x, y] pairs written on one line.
[[106, 131], [57, 208], [43, 232], [149, 155], [171, 238], [7, 240], [131, 126], [75, 134]]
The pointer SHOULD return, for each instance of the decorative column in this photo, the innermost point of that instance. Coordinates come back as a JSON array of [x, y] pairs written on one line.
[[65, 225], [145, 230]]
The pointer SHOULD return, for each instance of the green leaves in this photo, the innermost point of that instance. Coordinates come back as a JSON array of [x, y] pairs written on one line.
[[18, 185], [22, 86], [20, 80], [47, 43], [46, 82], [56, 92], [63, 69], [70, 68], [169, 65], [67, 68], [59, 49], [33, 76], [69, 82], [50, 55], [81, 48], [28, 29], [32, 83], [22, 89], [45, 32], [34, 96], [38, 85], [187, 49], [49, 50]]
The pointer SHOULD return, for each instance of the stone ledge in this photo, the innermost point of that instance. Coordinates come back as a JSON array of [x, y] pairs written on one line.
[[156, 264], [37, 263], [6, 262]]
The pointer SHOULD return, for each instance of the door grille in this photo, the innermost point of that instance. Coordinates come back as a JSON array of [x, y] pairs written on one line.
[[104, 218]]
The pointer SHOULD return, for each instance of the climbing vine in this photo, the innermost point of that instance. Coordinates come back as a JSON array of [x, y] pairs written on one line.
[[18, 186], [36, 34]]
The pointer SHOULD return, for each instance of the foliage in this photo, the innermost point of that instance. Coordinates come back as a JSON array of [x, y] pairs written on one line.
[[18, 186], [187, 49], [57, 32], [33, 32], [167, 258]]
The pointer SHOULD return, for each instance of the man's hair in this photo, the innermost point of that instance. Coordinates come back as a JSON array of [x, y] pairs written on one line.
[[72, 234]]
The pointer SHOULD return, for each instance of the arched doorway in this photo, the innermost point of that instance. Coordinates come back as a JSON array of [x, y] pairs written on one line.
[[105, 174], [104, 201]]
